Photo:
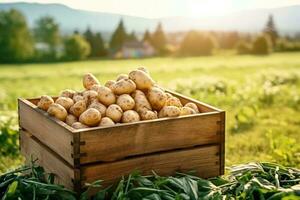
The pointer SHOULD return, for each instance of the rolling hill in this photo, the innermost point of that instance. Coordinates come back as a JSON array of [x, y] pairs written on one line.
[[286, 18]]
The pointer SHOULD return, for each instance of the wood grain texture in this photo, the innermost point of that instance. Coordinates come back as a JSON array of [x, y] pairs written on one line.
[[32, 148], [222, 143], [50, 131], [108, 144], [204, 161]]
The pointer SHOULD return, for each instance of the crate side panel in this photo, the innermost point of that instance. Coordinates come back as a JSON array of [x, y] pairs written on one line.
[[38, 123], [32, 149], [137, 139], [203, 160]]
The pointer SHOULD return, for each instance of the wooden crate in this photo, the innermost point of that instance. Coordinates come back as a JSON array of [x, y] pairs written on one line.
[[166, 145]]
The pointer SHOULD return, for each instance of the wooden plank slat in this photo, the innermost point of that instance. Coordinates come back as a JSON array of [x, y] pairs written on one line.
[[50, 131], [31, 147], [203, 160], [117, 142]]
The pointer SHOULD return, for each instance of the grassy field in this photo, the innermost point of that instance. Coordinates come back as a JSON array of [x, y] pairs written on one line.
[[260, 94]]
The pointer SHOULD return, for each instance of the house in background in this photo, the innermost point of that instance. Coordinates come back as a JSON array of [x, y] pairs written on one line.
[[136, 49]]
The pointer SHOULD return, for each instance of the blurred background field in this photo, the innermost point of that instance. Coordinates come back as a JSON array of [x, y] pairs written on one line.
[[261, 95]]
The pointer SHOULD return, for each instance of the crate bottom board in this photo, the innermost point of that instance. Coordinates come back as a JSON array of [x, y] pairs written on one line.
[[204, 161]]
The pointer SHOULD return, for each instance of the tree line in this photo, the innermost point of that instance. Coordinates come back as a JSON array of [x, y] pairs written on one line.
[[45, 43]]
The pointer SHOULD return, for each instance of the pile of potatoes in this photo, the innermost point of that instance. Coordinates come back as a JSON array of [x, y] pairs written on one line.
[[129, 98]]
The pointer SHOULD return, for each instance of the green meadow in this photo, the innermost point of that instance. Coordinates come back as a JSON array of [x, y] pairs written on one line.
[[261, 96]]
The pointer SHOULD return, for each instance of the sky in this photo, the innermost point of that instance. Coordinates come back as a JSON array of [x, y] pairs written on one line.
[[166, 8]]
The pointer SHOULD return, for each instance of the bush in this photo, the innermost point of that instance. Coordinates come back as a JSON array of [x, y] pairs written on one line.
[[262, 45], [282, 45], [243, 47], [76, 48], [195, 44]]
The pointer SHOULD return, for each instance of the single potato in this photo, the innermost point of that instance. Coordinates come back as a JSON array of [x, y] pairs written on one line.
[[193, 106], [114, 112], [110, 84], [44, 102], [89, 80], [71, 119], [187, 111], [143, 69], [157, 98], [78, 125], [66, 102], [90, 117], [169, 111], [106, 96], [99, 106], [126, 102], [173, 101], [90, 95], [142, 80], [57, 111], [123, 86], [141, 101], [67, 93], [122, 76], [106, 121], [77, 97], [130, 116], [78, 108], [148, 115]]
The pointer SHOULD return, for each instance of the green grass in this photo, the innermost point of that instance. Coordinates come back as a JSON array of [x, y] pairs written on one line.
[[261, 95]]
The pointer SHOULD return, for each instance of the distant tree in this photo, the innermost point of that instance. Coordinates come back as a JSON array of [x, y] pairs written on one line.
[[159, 40], [75, 32], [47, 31], [243, 47], [16, 43], [147, 36], [76, 48], [195, 44], [118, 37], [99, 46], [229, 40], [270, 29], [262, 45], [132, 37], [96, 43]]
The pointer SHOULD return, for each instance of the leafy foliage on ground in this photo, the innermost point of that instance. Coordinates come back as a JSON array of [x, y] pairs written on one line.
[[259, 181]]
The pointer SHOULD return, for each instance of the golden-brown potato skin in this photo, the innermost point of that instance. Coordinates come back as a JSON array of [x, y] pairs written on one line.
[[142, 80], [123, 86], [66, 102], [89, 80], [90, 117], [187, 111], [157, 98], [126, 102], [67, 93], [122, 76], [110, 84], [78, 108], [106, 121], [57, 111], [106, 96], [99, 106], [114, 112], [169, 111], [173, 101], [71, 119], [141, 101], [193, 106], [148, 115], [130, 116], [44, 102], [78, 125]]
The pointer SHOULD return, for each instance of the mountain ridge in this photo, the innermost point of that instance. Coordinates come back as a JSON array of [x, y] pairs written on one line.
[[286, 19]]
